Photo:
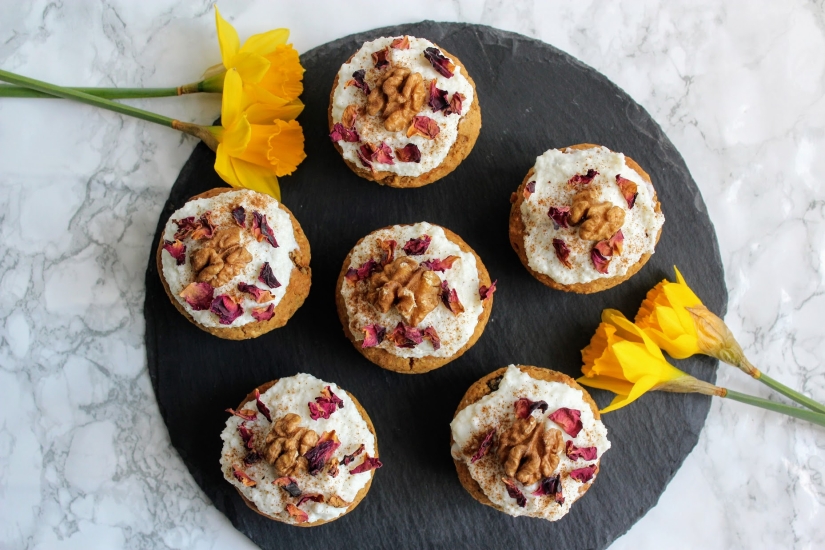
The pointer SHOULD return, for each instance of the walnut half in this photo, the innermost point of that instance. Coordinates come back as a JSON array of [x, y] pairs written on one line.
[[528, 451], [400, 95], [414, 290], [602, 219], [220, 258], [286, 443]]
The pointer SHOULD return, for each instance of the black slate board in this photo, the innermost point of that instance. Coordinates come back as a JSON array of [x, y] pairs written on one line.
[[533, 97]]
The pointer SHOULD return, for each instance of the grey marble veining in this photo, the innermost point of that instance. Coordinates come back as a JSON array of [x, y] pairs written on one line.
[[85, 461]]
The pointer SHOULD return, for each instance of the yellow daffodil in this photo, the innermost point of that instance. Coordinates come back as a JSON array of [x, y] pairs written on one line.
[[621, 358]]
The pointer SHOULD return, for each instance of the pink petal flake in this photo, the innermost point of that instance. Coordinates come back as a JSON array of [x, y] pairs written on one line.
[[258, 294], [205, 228], [485, 292], [267, 277], [261, 229], [387, 251], [382, 154], [455, 104], [380, 58], [404, 336], [441, 64], [583, 179], [350, 458], [576, 453], [362, 272], [629, 190], [525, 407], [252, 457], [342, 133], [515, 492], [409, 153], [241, 476], [244, 414], [365, 154], [550, 486], [288, 484], [431, 335], [401, 43], [185, 227], [438, 98], [585, 474], [560, 216], [600, 255], [226, 309], [562, 252], [246, 435], [450, 299], [423, 126], [485, 445], [176, 249], [570, 420], [358, 81], [529, 189], [417, 247], [369, 463], [373, 335], [616, 242], [296, 513], [198, 295], [325, 405], [314, 497], [440, 265], [321, 452], [263, 313], [262, 408], [239, 215]]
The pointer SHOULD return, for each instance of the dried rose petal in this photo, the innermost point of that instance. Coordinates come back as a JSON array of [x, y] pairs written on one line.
[[409, 153], [404, 336], [205, 228], [515, 492], [262, 408], [485, 445], [450, 298], [616, 242], [226, 309], [246, 435], [320, 410], [382, 154], [441, 64], [185, 227], [560, 216], [263, 313], [267, 277], [239, 215], [373, 335], [198, 295], [417, 247], [562, 252], [525, 407], [241, 476], [455, 104], [332, 468], [438, 98], [261, 229], [401, 43], [529, 189], [440, 265], [423, 126], [176, 249], [387, 251], [431, 335], [575, 453], [600, 261], [358, 81], [629, 190], [369, 463], [289, 485], [365, 154], [485, 292], [260, 295], [340, 132], [321, 452], [348, 459], [570, 420], [584, 474], [380, 58], [315, 497], [251, 458], [245, 414], [299, 515], [550, 486], [362, 272], [585, 179]]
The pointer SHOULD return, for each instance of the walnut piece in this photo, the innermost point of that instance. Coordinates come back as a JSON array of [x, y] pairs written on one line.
[[602, 219], [400, 95], [221, 258], [412, 289], [286, 443], [528, 451], [349, 116]]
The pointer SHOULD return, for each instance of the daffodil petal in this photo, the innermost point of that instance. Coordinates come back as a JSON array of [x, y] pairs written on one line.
[[619, 387], [261, 113], [236, 138], [251, 66], [227, 39], [223, 166], [286, 147], [637, 363], [232, 101], [265, 42], [640, 388], [633, 333], [669, 322], [257, 178]]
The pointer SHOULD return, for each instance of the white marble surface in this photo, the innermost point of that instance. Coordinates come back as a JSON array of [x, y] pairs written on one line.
[[85, 461]]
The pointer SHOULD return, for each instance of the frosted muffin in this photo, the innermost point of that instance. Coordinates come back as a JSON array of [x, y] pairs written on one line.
[[585, 219], [403, 112], [527, 441], [234, 262], [300, 450], [412, 298]]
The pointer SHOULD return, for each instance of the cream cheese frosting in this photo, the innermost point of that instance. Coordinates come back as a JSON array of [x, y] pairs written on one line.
[[292, 395], [496, 410], [453, 330], [221, 206], [553, 170], [371, 128]]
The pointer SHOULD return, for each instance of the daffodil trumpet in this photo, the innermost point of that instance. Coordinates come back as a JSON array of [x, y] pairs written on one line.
[[677, 321]]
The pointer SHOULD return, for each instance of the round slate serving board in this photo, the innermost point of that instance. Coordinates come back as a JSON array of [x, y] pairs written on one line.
[[533, 97]]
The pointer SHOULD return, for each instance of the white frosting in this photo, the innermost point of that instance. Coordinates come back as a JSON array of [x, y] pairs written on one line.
[[291, 395], [453, 330], [495, 410], [553, 170], [371, 129], [179, 276]]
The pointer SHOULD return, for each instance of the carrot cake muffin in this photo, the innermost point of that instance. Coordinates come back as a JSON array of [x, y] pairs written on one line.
[[528, 441], [403, 112], [300, 450], [412, 298], [234, 262], [585, 218]]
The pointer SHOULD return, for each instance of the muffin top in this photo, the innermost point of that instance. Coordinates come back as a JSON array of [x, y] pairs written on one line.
[[587, 215], [226, 258], [412, 292], [531, 445], [397, 106], [301, 453]]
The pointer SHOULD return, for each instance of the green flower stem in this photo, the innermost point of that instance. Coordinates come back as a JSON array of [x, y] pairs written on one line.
[[791, 394], [106, 93], [803, 414]]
